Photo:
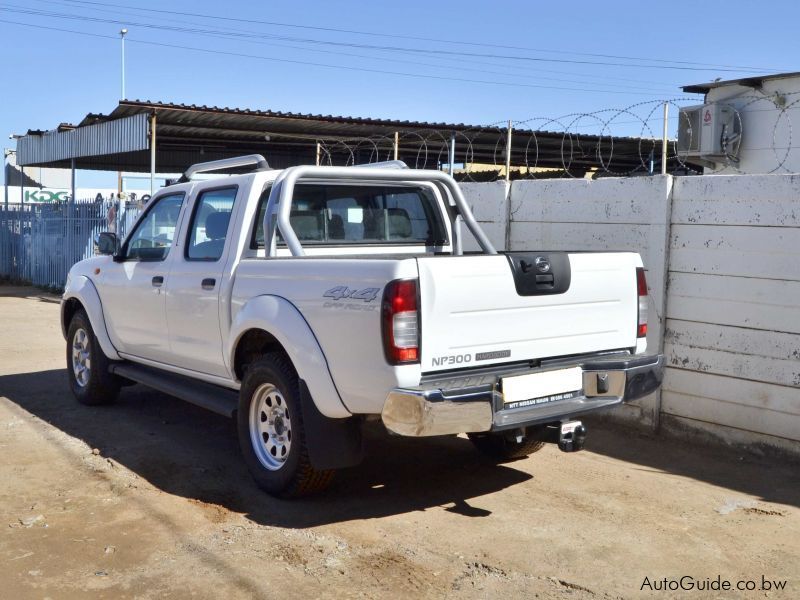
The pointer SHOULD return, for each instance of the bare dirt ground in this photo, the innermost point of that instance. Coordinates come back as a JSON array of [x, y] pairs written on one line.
[[149, 498]]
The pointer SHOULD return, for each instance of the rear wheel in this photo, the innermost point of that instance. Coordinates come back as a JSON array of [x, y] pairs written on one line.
[[270, 428], [87, 366], [504, 447]]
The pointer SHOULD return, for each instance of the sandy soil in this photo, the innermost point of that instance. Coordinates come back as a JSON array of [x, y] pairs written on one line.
[[149, 498]]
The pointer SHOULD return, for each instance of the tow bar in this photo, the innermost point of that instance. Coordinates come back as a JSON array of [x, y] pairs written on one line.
[[572, 436], [569, 435]]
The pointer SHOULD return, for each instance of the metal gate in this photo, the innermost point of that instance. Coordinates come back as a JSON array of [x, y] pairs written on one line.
[[39, 243]]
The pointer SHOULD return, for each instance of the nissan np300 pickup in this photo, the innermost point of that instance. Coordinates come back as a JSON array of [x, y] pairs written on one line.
[[306, 301]]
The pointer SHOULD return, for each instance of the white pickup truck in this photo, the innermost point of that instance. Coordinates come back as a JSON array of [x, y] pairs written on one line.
[[307, 301]]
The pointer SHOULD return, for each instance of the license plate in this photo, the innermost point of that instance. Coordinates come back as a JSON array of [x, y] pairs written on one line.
[[541, 388]]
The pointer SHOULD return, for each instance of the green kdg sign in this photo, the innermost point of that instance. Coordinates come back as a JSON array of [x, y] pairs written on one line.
[[45, 196]]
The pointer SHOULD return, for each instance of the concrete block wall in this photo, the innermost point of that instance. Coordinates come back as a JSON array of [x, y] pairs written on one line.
[[627, 214], [723, 261], [732, 338], [489, 204]]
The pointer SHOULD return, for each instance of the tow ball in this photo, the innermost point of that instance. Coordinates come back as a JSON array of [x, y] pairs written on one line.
[[572, 436]]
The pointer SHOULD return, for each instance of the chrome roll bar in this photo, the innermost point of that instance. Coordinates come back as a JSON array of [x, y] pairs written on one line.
[[280, 199]]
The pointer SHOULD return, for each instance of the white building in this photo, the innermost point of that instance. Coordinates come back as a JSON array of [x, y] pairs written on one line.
[[767, 109]]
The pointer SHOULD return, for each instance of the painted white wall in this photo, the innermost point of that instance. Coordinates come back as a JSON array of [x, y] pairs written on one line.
[[770, 134], [489, 204], [723, 260], [628, 214], [732, 338]]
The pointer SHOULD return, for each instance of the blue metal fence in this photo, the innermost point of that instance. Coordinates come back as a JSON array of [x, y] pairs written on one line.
[[39, 243]]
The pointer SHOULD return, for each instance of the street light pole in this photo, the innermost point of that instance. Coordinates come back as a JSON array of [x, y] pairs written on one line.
[[122, 33]]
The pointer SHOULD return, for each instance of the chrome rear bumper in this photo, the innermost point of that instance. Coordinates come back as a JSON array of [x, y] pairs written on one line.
[[470, 404]]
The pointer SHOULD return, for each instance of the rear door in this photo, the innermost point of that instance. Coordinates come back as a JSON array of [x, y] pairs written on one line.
[[193, 295], [475, 312]]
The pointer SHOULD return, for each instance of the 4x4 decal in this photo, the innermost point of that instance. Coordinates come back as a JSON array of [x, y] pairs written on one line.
[[342, 291]]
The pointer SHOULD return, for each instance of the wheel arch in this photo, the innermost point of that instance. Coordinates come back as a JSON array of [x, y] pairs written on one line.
[[253, 344], [69, 306], [272, 323], [81, 294]]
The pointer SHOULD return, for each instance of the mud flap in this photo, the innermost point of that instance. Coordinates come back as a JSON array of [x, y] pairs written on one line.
[[331, 443]]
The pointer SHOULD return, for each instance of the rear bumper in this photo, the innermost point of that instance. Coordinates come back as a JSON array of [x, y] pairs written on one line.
[[475, 403]]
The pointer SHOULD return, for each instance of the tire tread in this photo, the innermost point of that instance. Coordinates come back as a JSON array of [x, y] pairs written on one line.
[[103, 386], [306, 480]]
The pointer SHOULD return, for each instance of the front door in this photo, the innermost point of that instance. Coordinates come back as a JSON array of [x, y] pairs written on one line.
[[132, 288], [193, 297]]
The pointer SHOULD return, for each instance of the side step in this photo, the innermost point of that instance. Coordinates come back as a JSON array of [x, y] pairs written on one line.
[[220, 400]]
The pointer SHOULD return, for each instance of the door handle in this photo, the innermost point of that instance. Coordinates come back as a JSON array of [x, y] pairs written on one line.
[[208, 283], [158, 281]]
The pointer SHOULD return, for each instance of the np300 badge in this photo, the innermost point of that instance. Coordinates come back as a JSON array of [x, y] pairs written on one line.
[[453, 359]]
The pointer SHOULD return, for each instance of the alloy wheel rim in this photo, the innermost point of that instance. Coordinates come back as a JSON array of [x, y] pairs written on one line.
[[270, 427], [81, 358]]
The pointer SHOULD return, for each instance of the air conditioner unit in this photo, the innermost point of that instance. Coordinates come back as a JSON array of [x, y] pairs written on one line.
[[709, 134]]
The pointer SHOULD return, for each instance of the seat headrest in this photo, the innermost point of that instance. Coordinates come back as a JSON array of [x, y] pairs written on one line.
[[307, 224], [336, 229], [399, 225], [217, 225]]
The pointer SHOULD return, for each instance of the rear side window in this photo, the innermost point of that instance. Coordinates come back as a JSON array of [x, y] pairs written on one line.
[[210, 224], [357, 215]]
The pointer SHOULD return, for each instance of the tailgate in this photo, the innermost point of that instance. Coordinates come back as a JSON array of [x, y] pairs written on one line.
[[474, 314]]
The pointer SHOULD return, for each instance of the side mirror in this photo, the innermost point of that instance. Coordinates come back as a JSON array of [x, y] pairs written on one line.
[[107, 243]]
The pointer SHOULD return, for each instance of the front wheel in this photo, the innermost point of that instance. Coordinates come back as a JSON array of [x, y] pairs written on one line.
[[270, 428], [87, 366], [503, 447]]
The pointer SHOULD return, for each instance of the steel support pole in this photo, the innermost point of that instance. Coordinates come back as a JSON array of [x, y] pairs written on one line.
[[72, 180], [152, 154], [118, 212], [319, 152], [71, 218], [396, 145], [5, 174], [508, 151], [451, 158], [664, 140]]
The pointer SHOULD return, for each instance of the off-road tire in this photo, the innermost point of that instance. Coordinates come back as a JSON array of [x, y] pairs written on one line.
[[295, 477], [500, 448], [102, 387]]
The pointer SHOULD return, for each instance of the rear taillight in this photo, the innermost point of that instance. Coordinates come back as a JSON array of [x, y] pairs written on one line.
[[400, 316], [641, 287]]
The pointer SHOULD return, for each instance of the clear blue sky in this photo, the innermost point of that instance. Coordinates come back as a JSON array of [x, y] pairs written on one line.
[[55, 76]]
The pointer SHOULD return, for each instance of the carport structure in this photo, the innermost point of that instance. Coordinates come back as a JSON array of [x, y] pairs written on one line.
[[144, 136]]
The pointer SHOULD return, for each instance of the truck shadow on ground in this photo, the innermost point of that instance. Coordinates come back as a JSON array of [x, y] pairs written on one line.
[[184, 450]]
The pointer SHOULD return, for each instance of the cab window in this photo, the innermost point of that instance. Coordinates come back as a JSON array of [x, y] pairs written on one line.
[[360, 215], [210, 223], [153, 236]]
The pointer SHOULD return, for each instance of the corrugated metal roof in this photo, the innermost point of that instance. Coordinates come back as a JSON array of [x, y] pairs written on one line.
[[127, 107], [127, 134], [191, 133]]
